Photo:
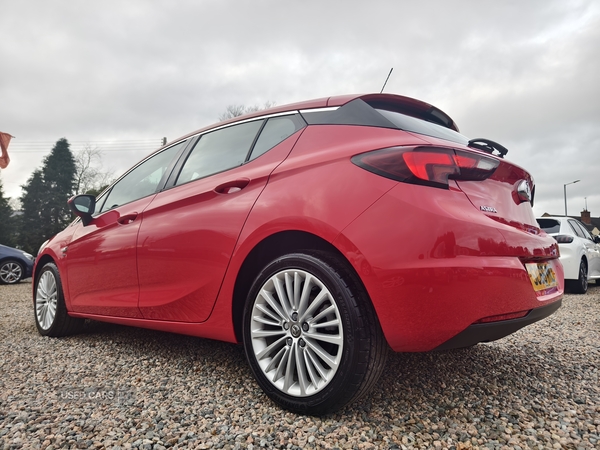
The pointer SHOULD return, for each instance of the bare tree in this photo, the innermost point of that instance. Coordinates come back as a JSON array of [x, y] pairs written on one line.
[[14, 203], [88, 174], [239, 110]]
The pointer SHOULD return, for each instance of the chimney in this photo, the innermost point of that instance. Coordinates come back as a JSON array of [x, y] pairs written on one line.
[[585, 217]]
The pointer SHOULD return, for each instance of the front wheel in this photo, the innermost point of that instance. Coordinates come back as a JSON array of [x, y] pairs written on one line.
[[11, 272], [311, 335], [51, 317]]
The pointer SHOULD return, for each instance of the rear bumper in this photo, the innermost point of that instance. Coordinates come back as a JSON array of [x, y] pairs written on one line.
[[433, 266], [489, 332]]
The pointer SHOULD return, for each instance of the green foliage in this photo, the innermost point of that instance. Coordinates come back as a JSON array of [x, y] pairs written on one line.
[[7, 229], [44, 201]]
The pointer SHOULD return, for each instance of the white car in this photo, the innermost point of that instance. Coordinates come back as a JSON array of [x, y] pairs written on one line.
[[579, 251]]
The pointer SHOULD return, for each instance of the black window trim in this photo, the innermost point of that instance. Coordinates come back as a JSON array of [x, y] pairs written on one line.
[[170, 175], [170, 182], [161, 184], [586, 234]]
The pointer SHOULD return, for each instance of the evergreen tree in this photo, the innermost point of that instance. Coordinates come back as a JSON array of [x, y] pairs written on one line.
[[33, 222], [7, 231], [58, 173], [44, 201]]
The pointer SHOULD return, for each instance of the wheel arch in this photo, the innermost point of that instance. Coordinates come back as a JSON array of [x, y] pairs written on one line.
[[44, 259], [12, 258], [587, 264], [267, 250]]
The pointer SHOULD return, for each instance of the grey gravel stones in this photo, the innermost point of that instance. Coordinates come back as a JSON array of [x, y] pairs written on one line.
[[119, 388]]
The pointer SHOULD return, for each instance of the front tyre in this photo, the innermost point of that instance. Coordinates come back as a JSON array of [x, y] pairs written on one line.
[[311, 335], [51, 316]]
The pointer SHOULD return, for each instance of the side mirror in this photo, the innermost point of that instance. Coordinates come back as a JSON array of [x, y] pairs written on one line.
[[83, 206], [596, 239]]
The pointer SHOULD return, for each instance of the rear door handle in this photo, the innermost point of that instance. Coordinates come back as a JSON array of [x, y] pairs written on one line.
[[127, 218], [232, 186]]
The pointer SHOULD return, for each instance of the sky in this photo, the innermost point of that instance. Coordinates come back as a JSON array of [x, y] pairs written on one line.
[[119, 76]]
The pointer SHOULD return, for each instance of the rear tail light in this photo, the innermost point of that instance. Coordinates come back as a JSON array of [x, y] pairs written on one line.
[[431, 166], [563, 238]]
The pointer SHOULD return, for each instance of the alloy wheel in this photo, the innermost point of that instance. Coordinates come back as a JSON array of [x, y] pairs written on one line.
[[46, 300], [296, 333], [10, 272]]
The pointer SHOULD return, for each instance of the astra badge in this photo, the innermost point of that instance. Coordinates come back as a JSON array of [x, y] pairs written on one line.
[[489, 209]]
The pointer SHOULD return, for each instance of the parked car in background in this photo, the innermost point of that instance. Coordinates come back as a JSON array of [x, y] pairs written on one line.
[[579, 250], [15, 265], [316, 234]]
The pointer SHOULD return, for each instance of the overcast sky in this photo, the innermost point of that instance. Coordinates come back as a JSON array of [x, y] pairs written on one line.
[[120, 75]]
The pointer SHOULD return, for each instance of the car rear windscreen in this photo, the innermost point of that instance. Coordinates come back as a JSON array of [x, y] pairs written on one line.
[[408, 123], [549, 225]]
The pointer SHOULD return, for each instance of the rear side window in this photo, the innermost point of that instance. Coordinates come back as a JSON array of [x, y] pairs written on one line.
[[549, 225], [576, 229], [219, 150], [276, 130], [582, 229]]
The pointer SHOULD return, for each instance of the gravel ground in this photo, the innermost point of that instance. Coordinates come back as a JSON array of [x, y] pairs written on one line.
[[119, 387]]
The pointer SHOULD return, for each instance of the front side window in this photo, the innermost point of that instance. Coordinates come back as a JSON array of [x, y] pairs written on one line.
[[142, 180], [219, 150]]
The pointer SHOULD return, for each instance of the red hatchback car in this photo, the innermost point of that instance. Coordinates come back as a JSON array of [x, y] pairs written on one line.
[[317, 234]]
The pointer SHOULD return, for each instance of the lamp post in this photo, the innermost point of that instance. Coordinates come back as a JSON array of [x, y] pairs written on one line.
[[565, 189]]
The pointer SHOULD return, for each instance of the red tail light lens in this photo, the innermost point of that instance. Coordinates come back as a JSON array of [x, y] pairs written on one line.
[[500, 317], [432, 166], [563, 238]]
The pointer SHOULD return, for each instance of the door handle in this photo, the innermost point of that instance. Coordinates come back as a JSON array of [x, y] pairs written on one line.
[[127, 218], [232, 186]]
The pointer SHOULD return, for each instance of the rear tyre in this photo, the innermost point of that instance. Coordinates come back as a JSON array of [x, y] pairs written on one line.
[[50, 311], [580, 286], [11, 272], [311, 335]]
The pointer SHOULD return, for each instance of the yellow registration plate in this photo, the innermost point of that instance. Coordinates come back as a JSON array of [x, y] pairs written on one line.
[[542, 276]]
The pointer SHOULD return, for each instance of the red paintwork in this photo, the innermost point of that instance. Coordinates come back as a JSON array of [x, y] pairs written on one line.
[[431, 261], [187, 237]]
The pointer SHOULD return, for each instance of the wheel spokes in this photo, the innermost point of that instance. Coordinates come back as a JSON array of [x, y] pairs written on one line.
[[10, 273], [46, 300], [296, 331]]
